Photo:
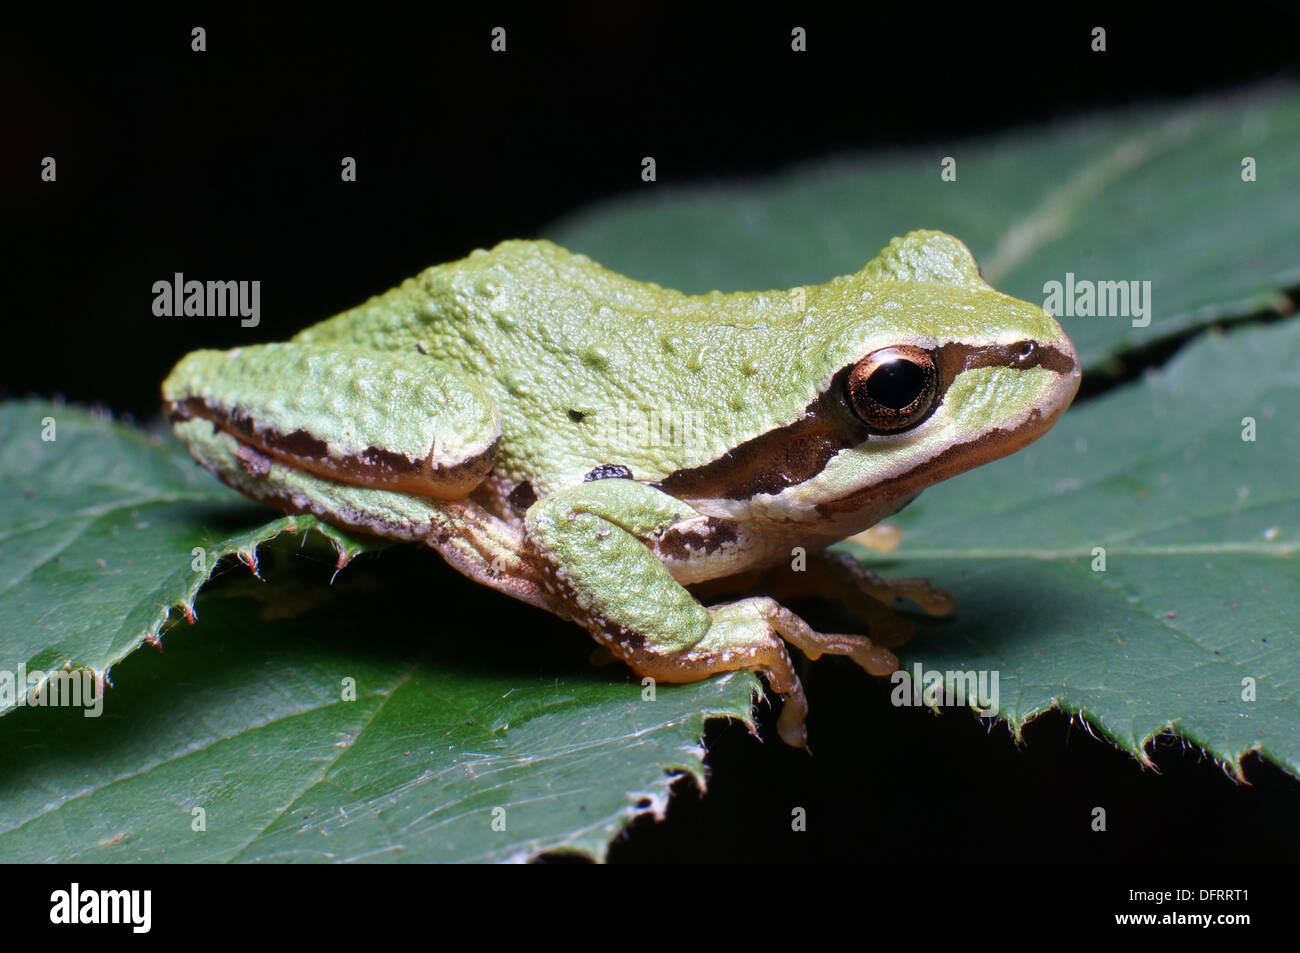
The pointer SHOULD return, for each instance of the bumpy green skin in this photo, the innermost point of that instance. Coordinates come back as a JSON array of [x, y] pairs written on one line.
[[549, 332], [593, 534], [347, 397]]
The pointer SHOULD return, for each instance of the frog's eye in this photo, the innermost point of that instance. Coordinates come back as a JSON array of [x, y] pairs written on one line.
[[893, 388]]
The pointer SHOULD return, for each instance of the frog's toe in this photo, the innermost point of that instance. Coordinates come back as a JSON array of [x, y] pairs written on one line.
[[874, 658], [742, 635], [886, 626], [847, 576], [791, 724], [752, 634], [869, 596], [933, 600]]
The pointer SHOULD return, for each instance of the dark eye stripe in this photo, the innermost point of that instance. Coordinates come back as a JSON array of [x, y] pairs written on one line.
[[954, 358], [797, 452]]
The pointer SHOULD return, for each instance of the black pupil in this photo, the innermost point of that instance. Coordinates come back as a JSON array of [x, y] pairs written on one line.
[[896, 384]]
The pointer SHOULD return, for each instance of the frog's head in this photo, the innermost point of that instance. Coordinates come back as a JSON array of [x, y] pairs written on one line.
[[942, 375], [927, 372]]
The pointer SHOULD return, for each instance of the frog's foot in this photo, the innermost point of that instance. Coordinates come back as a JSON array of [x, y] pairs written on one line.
[[752, 634], [881, 538], [840, 577]]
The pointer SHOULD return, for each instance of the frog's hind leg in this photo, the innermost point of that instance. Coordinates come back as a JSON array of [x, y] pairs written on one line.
[[385, 443], [474, 542], [399, 421]]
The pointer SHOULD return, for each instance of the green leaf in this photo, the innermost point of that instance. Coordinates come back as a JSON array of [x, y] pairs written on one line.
[[243, 715], [1152, 194], [1201, 533], [97, 531], [240, 728]]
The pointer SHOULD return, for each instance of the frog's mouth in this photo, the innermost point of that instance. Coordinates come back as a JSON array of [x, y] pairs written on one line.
[[799, 452]]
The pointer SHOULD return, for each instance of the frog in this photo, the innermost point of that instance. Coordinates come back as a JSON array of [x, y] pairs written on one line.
[[619, 453]]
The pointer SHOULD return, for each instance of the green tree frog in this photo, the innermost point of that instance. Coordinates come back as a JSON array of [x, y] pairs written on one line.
[[608, 449]]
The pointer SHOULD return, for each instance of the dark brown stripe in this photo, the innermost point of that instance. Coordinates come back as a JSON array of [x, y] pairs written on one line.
[[799, 451], [952, 359], [780, 458], [374, 467], [690, 541]]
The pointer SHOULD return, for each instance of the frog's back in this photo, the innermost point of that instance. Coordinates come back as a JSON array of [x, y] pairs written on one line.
[[590, 367]]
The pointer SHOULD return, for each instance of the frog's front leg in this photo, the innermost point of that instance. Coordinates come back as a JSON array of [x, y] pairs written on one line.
[[589, 543]]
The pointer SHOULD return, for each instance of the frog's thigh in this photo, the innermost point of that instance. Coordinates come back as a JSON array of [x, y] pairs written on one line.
[[591, 539], [388, 420], [381, 512], [473, 541]]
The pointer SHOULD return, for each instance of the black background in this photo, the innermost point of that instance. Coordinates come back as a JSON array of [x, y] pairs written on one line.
[[226, 164]]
